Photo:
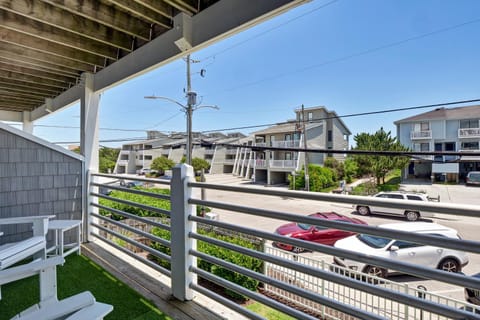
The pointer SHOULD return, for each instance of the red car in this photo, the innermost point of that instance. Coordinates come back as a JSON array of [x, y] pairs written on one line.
[[319, 234]]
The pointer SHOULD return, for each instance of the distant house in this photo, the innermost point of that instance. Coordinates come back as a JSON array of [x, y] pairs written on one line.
[[455, 129]]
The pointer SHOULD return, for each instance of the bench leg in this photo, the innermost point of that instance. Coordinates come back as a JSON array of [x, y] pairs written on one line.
[[48, 283]]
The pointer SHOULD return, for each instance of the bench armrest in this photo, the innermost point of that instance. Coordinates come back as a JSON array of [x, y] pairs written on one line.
[[40, 223]]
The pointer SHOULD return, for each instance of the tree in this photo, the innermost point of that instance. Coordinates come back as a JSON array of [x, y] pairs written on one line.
[[378, 165], [198, 164], [320, 178], [161, 164], [107, 158]]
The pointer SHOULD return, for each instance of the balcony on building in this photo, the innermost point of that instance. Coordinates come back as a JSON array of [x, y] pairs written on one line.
[[421, 135], [464, 133]]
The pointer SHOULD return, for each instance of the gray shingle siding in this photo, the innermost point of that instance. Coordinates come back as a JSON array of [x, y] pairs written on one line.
[[36, 180]]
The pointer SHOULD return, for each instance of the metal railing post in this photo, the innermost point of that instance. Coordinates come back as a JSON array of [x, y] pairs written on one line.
[[180, 228]]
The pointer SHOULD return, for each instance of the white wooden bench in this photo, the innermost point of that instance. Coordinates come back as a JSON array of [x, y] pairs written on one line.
[[34, 246], [78, 307]]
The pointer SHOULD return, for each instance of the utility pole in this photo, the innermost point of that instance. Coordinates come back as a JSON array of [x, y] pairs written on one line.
[[191, 101], [307, 178], [188, 108]]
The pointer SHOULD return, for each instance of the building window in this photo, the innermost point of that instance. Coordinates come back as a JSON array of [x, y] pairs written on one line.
[[329, 135], [148, 157], [425, 146], [288, 156], [472, 145], [449, 146], [148, 146], [421, 126], [470, 123], [310, 116]]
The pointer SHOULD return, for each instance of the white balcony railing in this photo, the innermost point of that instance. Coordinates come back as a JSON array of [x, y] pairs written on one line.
[[469, 133], [261, 144], [260, 163], [286, 144], [290, 164], [229, 161], [419, 135]]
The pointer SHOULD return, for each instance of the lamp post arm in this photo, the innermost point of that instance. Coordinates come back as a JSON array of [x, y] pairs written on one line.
[[167, 99]]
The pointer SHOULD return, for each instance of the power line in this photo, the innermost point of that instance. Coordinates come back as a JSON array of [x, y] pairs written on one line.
[[315, 120], [271, 29], [352, 115], [354, 55]]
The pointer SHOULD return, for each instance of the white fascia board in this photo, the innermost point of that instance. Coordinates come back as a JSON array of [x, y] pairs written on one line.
[[40, 141]]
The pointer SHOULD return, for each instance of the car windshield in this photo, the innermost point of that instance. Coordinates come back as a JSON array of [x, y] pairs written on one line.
[[373, 241], [304, 226], [474, 176]]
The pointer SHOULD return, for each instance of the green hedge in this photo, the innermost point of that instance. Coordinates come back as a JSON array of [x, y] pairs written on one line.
[[221, 253], [215, 251], [145, 200]]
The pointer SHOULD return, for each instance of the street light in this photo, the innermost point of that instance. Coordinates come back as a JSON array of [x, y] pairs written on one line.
[[188, 109]]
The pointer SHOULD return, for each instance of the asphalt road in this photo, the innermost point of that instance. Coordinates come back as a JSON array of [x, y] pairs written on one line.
[[468, 227]]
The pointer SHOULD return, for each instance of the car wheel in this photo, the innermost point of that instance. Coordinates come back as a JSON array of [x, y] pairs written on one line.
[[450, 265], [375, 271], [412, 215], [298, 250], [364, 211]]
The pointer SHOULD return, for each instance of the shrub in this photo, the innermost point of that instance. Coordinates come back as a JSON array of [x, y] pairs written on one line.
[[161, 164], [221, 253], [146, 200]]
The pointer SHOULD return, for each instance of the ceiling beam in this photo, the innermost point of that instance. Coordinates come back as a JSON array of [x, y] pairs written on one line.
[[36, 73], [158, 17], [48, 33], [34, 87], [34, 65], [160, 7], [46, 60], [49, 48], [21, 92], [34, 80], [54, 16], [96, 11]]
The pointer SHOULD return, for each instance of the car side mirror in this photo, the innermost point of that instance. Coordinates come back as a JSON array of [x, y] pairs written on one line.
[[394, 248]]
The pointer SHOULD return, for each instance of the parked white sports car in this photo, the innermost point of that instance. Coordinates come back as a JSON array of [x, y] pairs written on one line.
[[427, 256]]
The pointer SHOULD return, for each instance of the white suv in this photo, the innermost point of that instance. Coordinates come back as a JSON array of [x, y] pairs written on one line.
[[400, 250], [411, 215]]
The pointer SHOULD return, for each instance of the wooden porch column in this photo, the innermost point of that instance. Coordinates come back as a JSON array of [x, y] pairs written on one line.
[[89, 103]]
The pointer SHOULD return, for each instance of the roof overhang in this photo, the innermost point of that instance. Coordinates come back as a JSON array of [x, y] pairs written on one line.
[[47, 47]]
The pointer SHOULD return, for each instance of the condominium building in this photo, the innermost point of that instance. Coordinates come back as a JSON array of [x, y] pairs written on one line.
[[454, 129], [243, 156], [313, 128]]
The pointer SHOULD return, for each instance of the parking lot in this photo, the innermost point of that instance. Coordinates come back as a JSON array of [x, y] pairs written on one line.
[[466, 226]]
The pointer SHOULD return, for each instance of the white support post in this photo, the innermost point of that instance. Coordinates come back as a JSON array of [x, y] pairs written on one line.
[[27, 123], [89, 105], [181, 244]]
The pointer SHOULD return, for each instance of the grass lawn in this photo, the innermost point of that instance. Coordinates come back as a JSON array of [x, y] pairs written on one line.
[[268, 312], [80, 274]]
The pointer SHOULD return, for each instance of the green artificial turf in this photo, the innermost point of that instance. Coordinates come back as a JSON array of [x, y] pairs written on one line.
[[80, 274]]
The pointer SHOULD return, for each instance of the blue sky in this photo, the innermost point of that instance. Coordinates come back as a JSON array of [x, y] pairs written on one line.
[[350, 56]]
